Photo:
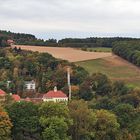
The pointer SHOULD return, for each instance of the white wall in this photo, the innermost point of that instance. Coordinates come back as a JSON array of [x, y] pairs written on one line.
[[56, 99]]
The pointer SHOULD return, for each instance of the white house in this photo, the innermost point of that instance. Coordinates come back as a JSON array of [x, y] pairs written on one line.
[[30, 85], [55, 96]]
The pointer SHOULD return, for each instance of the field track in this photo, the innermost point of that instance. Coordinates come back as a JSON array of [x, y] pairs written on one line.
[[70, 54]]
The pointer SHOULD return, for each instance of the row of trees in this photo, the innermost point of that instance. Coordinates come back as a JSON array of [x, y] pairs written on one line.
[[28, 39], [91, 42], [129, 50]]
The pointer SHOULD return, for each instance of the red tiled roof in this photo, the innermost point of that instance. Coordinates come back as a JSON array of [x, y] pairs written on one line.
[[27, 99], [2, 92], [53, 94], [16, 97]]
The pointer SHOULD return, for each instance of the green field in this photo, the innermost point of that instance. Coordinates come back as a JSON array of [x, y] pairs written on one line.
[[98, 49], [126, 72]]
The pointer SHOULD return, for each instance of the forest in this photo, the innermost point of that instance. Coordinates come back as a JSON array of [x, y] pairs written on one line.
[[129, 50], [19, 66], [92, 42], [26, 39], [3, 42], [100, 109]]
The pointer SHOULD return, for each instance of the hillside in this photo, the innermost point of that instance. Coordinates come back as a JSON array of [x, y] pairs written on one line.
[[114, 67]]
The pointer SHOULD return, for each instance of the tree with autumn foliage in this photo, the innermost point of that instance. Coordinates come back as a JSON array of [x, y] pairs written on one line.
[[84, 120], [5, 125], [106, 126]]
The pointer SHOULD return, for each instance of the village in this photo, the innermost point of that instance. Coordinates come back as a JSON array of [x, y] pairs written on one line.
[[54, 95]]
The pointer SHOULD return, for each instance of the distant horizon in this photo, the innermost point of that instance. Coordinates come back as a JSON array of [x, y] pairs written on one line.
[[72, 19], [80, 36]]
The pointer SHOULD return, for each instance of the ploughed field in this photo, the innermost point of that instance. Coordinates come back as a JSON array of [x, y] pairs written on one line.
[[70, 54]]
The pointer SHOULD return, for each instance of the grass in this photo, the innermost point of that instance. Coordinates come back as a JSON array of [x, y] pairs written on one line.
[[125, 73], [98, 49]]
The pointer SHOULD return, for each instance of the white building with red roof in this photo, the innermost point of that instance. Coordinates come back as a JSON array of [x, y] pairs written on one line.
[[55, 96]]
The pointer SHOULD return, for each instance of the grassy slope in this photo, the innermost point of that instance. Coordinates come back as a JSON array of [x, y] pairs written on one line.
[[126, 73], [100, 49]]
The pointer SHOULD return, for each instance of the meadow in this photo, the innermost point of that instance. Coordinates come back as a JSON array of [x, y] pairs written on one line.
[[115, 68]]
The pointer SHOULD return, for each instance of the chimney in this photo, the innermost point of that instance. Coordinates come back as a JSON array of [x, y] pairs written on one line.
[[69, 84], [55, 89]]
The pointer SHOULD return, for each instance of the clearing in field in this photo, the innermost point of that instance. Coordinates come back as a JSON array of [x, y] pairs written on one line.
[[114, 67], [70, 54]]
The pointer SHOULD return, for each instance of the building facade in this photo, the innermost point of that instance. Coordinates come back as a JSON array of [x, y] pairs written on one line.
[[55, 96], [30, 85]]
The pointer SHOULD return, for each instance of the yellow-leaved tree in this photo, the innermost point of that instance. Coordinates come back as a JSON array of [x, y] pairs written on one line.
[[5, 125]]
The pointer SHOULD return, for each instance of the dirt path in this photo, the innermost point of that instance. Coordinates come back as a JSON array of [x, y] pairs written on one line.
[[70, 54]]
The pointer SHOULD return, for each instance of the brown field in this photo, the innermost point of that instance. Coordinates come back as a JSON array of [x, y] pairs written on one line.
[[70, 54]]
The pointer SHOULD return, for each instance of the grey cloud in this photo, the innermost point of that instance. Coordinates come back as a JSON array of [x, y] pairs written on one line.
[[75, 17]]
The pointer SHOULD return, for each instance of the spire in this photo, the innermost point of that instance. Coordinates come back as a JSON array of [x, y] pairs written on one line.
[[55, 89]]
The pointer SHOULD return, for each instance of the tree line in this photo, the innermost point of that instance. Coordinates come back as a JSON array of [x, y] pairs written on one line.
[[129, 50], [29, 39], [26, 39], [91, 42]]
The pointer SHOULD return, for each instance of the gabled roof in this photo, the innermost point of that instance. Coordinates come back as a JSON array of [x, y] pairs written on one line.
[[55, 94], [2, 92], [16, 97]]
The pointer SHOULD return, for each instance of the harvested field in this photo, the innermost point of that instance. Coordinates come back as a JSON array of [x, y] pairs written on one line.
[[70, 54]]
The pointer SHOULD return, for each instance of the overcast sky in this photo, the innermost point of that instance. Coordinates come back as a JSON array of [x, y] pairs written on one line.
[[71, 18]]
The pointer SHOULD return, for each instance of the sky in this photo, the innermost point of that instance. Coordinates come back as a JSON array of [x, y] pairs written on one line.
[[71, 18]]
